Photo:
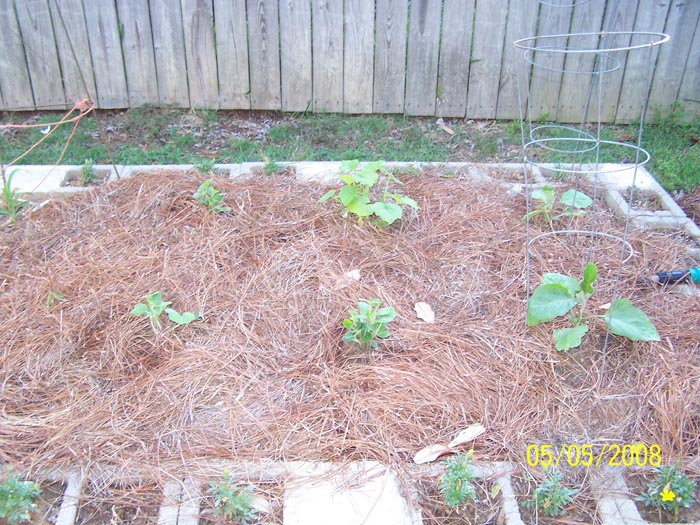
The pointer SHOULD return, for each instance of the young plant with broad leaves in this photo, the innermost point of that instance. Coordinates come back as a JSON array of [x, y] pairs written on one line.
[[367, 324], [155, 307], [233, 504], [210, 197], [559, 295], [17, 499], [574, 204], [355, 194]]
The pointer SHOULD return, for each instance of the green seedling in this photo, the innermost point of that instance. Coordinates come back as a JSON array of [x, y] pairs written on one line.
[[368, 323], [551, 496], [211, 197], [53, 297], [456, 483], [87, 173], [670, 490], [234, 504], [205, 165], [355, 194], [574, 204], [154, 308], [12, 202], [17, 499], [558, 295], [271, 167]]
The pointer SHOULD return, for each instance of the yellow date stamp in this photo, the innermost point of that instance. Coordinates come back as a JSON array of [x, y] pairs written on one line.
[[588, 455]]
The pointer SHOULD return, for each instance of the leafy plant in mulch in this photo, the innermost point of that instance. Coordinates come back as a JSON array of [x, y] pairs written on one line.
[[368, 323], [551, 495], [12, 202], [17, 499], [355, 194], [558, 295], [210, 197], [456, 483], [574, 203], [670, 490], [232, 503], [155, 307]]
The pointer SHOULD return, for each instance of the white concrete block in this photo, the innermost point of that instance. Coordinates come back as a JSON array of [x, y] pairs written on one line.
[[39, 179], [167, 515]]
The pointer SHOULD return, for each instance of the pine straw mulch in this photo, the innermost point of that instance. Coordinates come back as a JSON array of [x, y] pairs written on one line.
[[264, 374]]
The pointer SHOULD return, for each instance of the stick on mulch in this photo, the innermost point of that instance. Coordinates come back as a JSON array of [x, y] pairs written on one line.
[[264, 373]]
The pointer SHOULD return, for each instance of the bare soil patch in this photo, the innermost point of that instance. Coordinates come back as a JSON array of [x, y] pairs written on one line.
[[264, 373]]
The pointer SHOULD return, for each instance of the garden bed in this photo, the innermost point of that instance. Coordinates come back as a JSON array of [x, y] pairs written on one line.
[[264, 374]]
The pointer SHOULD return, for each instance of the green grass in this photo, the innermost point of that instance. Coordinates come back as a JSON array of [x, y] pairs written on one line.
[[150, 136]]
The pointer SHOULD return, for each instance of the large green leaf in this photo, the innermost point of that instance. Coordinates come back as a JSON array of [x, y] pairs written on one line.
[[141, 309], [347, 194], [349, 165], [590, 274], [548, 302], [545, 194], [326, 196], [568, 338], [367, 176], [403, 200], [360, 206], [571, 284], [387, 211], [576, 199], [629, 321], [181, 318]]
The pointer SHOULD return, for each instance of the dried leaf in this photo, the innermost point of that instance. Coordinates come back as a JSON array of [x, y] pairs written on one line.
[[468, 434], [430, 453], [261, 504], [425, 312], [447, 129], [353, 274]]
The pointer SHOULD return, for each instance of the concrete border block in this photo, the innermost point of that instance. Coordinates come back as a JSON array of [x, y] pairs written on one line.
[[169, 509], [191, 501], [71, 499]]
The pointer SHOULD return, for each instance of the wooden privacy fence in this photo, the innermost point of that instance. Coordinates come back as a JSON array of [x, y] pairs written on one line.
[[419, 57]]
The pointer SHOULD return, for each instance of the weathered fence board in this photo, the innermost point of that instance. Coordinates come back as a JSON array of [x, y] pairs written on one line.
[[295, 55], [328, 55], [579, 100], [42, 57], [682, 20], [198, 25], [14, 77], [107, 60], [232, 54], [264, 56], [639, 63], [74, 49], [451, 58], [422, 64], [139, 60], [486, 55], [358, 64], [169, 47], [453, 70], [390, 56]]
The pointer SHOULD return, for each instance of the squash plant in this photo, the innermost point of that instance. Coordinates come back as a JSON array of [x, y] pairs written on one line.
[[559, 295]]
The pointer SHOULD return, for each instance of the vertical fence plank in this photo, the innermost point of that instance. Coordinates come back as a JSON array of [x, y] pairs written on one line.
[[137, 45], [295, 54], [423, 49], [521, 23], [232, 54], [486, 54], [36, 29], [14, 76], [651, 16], [390, 56], [579, 100], [106, 51], [169, 50], [198, 26], [689, 93], [453, 70], [327, 16], [73, 50], [546, 77], [681, 22], [358, 70], [263, 44]]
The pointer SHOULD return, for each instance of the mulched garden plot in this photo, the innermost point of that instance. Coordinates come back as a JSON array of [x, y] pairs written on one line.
[[264, 374], [125, 505], [434, 510], [638, 481], [581, 511]]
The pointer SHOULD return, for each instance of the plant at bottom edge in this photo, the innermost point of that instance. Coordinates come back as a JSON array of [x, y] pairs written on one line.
[[12, 203], [456, 483], [233, 504], [558, 295], [670, 490], [368, 323], [17, 499], [551, 496]]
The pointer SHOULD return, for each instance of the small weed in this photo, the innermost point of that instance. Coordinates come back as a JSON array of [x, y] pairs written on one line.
[[205, 166], [558, 294], [551, 496], [155, 306], [210, 197], [355, 195], [670, 490], [87, 173], [17, 499], [271, 167], [574, 202], [456, 483], [233, 504], [53, 297], [12, 203], [368, 323]]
